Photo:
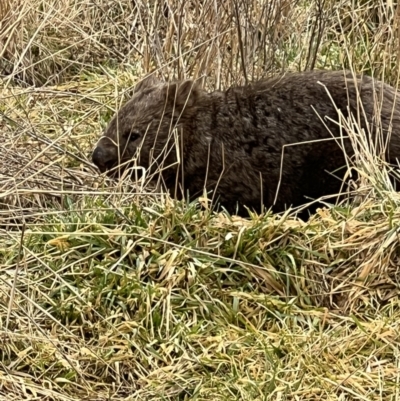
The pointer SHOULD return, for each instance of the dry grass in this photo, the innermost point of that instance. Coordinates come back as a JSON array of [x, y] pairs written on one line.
[[114, 292]]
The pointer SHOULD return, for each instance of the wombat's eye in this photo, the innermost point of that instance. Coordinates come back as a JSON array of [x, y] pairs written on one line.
[[132, 136]]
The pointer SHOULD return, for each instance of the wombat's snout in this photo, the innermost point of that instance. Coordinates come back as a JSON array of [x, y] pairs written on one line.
[[104, 157]]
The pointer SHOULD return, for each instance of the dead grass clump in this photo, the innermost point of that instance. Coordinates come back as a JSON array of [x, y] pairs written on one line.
[[46, 137], [228, 42], [371, 30], [12, 12], [58, 40]]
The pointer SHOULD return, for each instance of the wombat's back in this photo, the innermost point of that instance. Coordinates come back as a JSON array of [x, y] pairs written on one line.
[[248, 129]]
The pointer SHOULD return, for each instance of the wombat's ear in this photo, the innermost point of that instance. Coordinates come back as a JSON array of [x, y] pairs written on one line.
[[183, 94], [148, 82]]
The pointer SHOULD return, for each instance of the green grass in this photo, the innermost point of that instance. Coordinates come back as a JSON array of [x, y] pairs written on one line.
[[174, 303]]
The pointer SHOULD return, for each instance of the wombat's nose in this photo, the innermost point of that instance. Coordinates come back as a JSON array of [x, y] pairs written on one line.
[[102, 158]]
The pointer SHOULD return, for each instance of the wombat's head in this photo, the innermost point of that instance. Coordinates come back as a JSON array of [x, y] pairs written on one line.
[[142, 130]]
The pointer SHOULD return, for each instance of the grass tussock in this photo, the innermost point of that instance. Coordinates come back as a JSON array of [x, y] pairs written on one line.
[[112, 290]]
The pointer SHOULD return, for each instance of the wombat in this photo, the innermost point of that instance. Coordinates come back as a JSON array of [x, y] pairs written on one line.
[[273, 143]]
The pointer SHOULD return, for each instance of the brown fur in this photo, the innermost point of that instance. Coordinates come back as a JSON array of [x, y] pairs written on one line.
[[234, 139]]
